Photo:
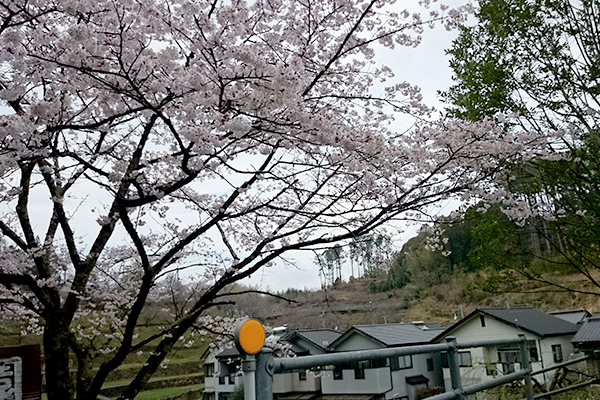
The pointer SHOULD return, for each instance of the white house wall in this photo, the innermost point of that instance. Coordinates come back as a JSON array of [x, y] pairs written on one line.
[[419, 361], [308, 346], [472, 330], [290, 382], [566, 345], [547, 358], [383, 380], [377, 380], [358, 342]]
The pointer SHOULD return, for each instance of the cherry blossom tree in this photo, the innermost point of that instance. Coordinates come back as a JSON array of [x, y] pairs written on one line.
[[144, 138]]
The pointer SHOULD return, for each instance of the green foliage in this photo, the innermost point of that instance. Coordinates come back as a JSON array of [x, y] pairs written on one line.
[[520, 57], [481, 239], [330, 264], [370, 252], [486, 77], [238, 393], [496, 240], [540, 60], [458, 243], [417, 263], [426, 265]]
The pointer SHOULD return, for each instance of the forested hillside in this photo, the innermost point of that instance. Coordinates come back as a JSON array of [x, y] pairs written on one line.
[[480, 260]]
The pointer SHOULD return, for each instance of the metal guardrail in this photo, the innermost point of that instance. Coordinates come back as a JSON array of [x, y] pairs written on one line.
[[565, 389], [267, 365]]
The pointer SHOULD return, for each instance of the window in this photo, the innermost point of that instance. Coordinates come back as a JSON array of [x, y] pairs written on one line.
[[302, 375], [508, 358], [359, 369], [513, 355], [221, 380], [234, 366], [482, 320], [338, 374], [378, 363], [231, 380], [533, 353], [557, 353], [400, 362], [464, 359], [209, 369], [405, 362], [430, 364], [359, 373], [445, 360]]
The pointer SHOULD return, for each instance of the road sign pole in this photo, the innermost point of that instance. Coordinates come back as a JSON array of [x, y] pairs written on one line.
[[249, 369], [264, 374]]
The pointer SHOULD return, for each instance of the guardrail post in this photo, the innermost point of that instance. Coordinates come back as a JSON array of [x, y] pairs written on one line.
[[264, 374], [525, 365], [596, 358], [454, 366], [249, 370]]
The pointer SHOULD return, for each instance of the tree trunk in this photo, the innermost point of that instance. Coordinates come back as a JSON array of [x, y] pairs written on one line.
[[153, 362], [85, 375], [59, 384]]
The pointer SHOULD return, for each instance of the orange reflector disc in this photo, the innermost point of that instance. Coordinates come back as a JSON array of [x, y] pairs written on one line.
[[249, 336]]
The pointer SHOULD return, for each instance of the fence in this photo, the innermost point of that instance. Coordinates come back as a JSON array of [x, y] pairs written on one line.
[[259, 369]]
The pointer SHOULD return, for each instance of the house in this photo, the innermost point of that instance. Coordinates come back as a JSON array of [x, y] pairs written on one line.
[[302, 343], [222, 372], [548, 339], [392, 378], [306, 342], [222, 366], [587, 337]]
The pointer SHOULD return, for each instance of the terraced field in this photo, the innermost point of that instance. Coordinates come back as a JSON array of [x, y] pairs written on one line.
[[181, 378]]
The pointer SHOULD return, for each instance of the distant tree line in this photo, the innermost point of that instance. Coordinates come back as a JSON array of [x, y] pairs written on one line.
[[477, 240]]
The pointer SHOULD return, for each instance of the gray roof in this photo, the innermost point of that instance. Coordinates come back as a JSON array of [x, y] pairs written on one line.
[[526, 319], [532, 320], [228, 352], [589, 333], [392, 335], [573, 316], [321, 338]]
